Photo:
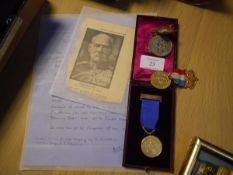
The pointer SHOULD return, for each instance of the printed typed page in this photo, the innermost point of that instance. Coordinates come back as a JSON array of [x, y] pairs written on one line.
[[101, 67], [59, 87]]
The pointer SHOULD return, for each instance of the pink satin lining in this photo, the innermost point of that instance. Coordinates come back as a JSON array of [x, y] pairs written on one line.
[[145, 29]]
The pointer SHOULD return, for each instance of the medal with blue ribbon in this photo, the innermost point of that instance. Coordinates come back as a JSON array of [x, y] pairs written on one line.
[[151, 146]]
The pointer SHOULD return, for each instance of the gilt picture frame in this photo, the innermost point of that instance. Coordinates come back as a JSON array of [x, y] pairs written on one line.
[[205, 158]]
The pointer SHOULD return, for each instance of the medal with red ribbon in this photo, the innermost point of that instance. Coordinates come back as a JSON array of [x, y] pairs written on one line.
[[184, 78], [181, 78]]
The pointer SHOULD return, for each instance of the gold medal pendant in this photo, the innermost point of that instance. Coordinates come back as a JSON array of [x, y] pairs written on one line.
[[160, 80], [151, 146]]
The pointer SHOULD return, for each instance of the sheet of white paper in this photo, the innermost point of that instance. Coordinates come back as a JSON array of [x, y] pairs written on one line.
[[64, 134], [60, 90]]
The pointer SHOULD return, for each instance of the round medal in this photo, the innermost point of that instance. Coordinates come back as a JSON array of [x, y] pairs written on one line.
[[160, 45], [151, 146], [160, 80]]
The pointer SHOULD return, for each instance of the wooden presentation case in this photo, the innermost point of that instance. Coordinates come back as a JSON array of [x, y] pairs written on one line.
[[165, 128]]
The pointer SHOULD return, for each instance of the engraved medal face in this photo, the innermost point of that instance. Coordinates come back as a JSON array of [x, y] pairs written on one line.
[[160, 80], [151, 146], [160, 45]]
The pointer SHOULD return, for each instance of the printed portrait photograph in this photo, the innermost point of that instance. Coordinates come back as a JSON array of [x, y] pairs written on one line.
[[97, 58]]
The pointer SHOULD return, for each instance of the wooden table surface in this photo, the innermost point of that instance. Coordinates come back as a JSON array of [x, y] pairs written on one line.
[[205, 45]]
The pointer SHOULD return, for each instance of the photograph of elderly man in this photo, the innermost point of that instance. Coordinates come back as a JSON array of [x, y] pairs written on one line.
[[97, 58]]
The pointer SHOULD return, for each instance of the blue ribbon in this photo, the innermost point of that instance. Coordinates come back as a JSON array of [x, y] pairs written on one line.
[[149, 114], [179, 82]]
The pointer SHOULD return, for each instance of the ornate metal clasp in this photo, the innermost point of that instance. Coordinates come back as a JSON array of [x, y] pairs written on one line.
[[190, 79]]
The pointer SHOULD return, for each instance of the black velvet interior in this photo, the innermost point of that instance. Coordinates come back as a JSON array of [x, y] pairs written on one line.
[[133, 156]]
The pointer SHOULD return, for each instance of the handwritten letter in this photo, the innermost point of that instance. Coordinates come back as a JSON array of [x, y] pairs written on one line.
[[61, 133]]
